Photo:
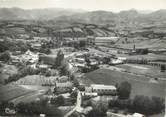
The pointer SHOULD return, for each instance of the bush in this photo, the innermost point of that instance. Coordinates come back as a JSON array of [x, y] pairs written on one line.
[[58, 101], [140, 104], [36, 108], [99, 110], [146, 105], [22, 73]]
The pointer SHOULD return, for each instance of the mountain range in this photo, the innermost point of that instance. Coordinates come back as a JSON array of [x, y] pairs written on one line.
[[59, 14]]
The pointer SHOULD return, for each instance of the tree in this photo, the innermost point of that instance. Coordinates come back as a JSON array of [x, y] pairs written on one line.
[[5, 56], [82, 43], [21, 107], [163, 67], [3, 105], [58, 101], [64, 71], [5, 45], [146, 105], [59, 59], [124, 90], [75, 82], [141, 104], [99, 110], [158, 104], [36, 108]]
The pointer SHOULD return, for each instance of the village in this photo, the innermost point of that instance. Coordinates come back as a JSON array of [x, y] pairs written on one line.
[[56, 76], [61, 68]]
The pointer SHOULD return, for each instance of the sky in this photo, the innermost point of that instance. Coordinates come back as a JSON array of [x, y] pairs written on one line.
[[90, 5]]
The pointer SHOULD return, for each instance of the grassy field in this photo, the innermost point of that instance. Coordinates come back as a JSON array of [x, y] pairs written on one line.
[[140, 85], [9, 92], [30, 97], [148, 57], [143, 70], [21, 93], [144, 43]]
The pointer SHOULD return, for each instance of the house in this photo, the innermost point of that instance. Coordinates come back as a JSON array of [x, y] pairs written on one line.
[[111, 114], [91, 40], [29, 57], [115, 61], [15, 59], [101, 89], [89, 94], [63, 79], [80, 60], [47, 59], [42, 115], [67, 84], [80, 65], [43, 66], [138, 115], [93, 62], [10, 111], [36, 46], [105, 40]]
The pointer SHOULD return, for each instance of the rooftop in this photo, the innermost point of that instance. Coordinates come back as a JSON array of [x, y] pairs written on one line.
[[102, 86]]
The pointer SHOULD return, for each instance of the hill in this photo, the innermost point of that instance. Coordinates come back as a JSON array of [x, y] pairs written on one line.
[[70, 15], [35, 14]]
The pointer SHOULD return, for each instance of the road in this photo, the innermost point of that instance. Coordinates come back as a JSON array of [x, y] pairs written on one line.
[[77, 107]]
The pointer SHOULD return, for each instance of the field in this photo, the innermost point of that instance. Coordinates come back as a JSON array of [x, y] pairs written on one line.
[[21, 93], [140, 85], [148, 57], [9, 92], [144, 43], [146, 70], [37, 92]]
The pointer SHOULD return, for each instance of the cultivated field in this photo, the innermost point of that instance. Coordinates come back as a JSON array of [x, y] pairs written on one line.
[[140, 85], [36, 80]]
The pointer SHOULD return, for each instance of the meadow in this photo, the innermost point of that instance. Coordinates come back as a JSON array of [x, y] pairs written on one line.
[[9, 92]]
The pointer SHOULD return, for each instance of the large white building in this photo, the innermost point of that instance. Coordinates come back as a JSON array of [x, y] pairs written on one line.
[[67, 84], [102, 89]]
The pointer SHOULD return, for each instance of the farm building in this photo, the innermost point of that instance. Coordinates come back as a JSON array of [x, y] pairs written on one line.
[[101, 40]]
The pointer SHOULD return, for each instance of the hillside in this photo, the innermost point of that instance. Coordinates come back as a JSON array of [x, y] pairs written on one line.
[[59, 14], [35, 14]]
